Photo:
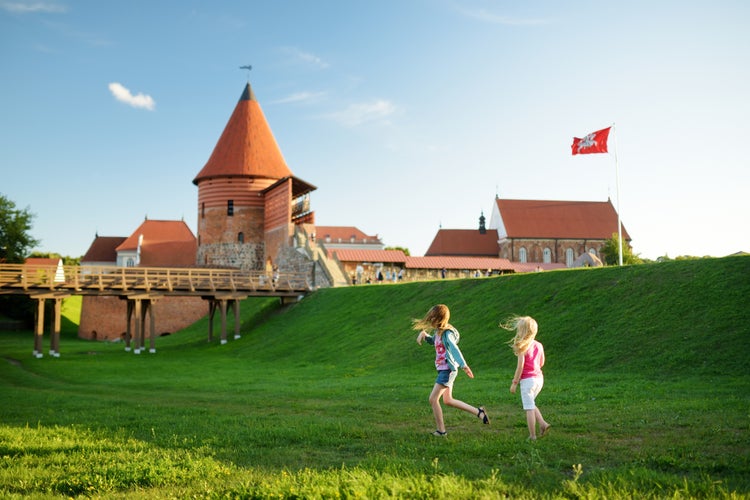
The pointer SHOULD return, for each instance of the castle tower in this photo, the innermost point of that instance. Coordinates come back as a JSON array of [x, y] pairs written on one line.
[[248, 199]]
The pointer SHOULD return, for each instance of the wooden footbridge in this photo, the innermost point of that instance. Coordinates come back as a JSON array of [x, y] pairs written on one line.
[[141, 287]]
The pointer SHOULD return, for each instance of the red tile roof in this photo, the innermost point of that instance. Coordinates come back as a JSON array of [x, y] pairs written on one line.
[[103, 249], [41, 262], [165, 243], [247, 146], [559, 219], [464, 242], [470, 263], [354, 255], [169, 254], [158, 231], [345, 233]]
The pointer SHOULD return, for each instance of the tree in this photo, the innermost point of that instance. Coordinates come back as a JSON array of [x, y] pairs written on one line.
[[15, 225], [403, 249], [611, 251]]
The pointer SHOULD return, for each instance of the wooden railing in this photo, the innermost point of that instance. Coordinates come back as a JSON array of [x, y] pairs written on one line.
[[112, 280]]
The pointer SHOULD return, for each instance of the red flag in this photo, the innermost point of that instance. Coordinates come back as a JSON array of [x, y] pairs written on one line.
[[595, 142]]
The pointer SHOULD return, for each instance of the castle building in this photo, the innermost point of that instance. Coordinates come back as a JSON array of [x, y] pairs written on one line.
[[249, 202]]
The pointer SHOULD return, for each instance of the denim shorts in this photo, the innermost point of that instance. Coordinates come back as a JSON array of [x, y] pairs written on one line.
[[530, 388], [446, 377]]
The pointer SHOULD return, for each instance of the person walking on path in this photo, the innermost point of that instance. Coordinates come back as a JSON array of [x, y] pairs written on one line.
[[530, 354], [448, 359]]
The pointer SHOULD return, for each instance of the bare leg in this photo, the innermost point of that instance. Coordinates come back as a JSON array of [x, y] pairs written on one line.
[[543, 425], [455, 403], [437, 410], [531, 422]]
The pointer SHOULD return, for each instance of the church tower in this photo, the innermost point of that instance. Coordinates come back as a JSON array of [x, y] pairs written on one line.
[[248, 199]]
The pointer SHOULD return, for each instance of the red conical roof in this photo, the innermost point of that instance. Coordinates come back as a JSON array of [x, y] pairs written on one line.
[[247, 147]]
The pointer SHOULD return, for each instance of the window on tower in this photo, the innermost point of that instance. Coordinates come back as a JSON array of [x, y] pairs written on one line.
[[230, 208]]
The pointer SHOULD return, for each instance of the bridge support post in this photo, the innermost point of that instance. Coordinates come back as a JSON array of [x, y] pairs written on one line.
[[39, 328], [152, 326], [54, 348], [138, 326], [211, 311], [138, 308], [223, 305], [236, 308], [128, 335]]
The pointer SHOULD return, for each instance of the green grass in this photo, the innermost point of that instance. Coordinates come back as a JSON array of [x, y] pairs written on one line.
[[647, 388]]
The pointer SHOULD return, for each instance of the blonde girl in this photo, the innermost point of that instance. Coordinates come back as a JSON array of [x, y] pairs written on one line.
[[448, 359], [530, 354]]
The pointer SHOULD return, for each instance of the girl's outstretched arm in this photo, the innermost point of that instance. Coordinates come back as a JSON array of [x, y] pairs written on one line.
[[424, 336]]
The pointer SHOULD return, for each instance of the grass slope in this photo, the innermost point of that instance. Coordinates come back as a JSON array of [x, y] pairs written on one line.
[[646, 387]]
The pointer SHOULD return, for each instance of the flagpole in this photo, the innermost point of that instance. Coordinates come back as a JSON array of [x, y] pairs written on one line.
[[617, 178]]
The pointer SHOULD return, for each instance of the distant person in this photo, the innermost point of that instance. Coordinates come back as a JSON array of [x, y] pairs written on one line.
[[360, 270], [380, 276], [448, 359], [442, 273], [530, 354]]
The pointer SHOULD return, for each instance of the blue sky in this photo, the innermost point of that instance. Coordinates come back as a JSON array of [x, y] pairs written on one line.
[[408, 115]]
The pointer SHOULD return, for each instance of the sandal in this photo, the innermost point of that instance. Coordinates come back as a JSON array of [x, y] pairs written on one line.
[[483, 415], [438, 433]]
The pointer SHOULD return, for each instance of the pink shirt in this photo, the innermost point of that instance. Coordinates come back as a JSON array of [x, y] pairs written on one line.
[[440, 362], [533, 360]]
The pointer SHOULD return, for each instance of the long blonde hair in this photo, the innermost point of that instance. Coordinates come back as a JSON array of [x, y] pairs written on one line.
[[525, 328], [437, 317]]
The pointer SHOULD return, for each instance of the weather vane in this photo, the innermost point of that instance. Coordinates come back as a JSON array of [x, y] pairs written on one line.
[[248, 68]]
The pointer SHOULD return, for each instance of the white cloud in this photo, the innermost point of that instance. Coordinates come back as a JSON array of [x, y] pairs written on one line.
[[306, 57], [357, 114], [301, 97], [137, 101], [31, 7]]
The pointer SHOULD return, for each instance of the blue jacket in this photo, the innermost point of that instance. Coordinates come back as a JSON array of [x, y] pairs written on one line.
[[453, 356]]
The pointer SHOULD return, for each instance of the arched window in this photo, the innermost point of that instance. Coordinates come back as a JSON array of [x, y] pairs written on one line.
[[522, 256], [240, 237], [569, 257], [130, 262], [547, 255]]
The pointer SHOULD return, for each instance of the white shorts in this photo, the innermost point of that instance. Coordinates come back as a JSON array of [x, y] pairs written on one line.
[[530, 388]]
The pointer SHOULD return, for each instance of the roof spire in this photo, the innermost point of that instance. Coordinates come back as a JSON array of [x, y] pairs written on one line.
[[248, 68]]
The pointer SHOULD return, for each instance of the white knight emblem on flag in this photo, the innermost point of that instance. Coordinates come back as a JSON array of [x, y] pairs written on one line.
[[587, 142]]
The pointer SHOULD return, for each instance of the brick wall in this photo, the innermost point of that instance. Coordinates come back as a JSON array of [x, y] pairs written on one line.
[[105, 318], [535, 248]]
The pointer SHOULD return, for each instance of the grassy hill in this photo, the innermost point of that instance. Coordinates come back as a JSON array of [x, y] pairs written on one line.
[[646, 387]]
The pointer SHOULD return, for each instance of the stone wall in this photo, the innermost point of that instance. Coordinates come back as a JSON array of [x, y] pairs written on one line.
[[245, 256], [296, 260]]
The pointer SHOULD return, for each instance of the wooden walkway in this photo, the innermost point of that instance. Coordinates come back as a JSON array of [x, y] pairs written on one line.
[[141, 287]]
